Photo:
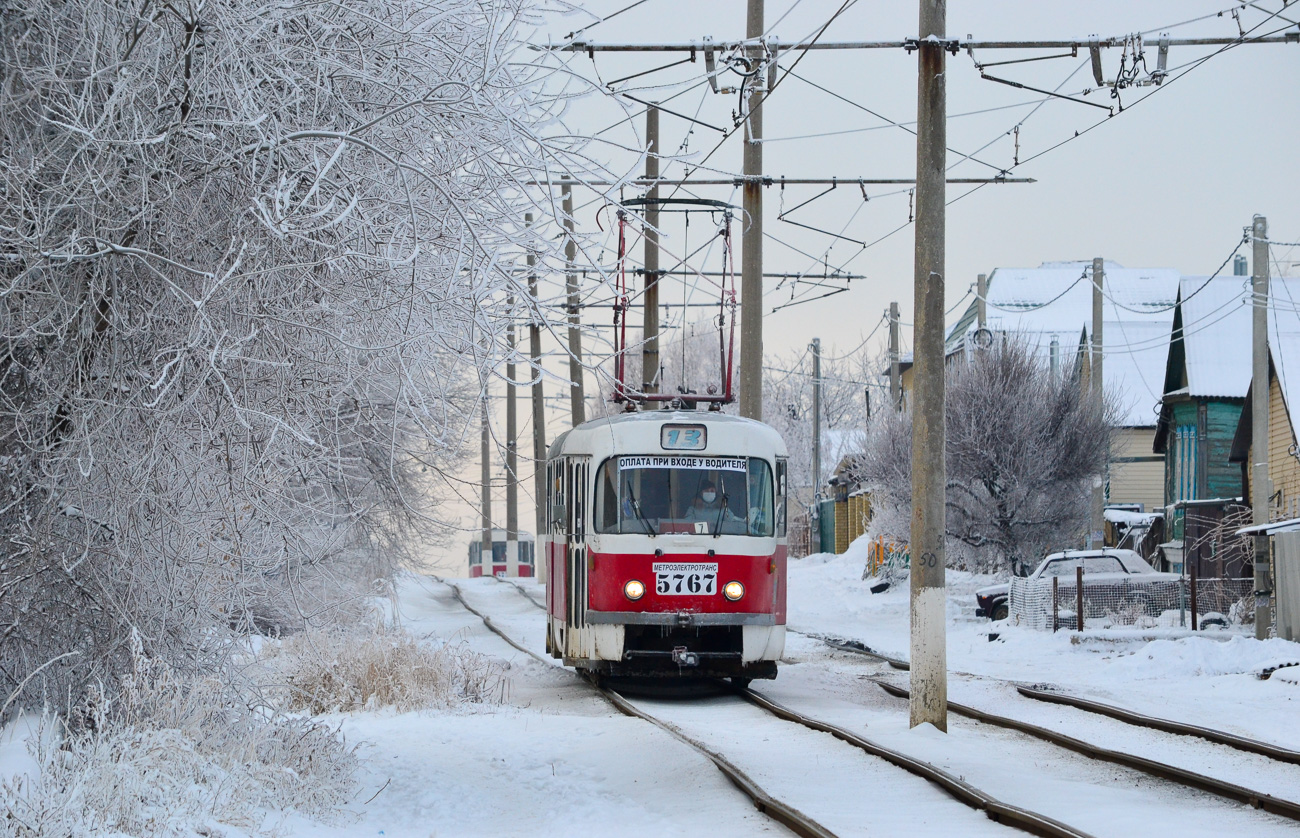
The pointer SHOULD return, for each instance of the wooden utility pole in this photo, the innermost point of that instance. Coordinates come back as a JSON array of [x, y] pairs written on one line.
[[512, 447], [751, 256], [539, 414], [1260, 488], [650, 336], [485, 461], [895, 379], [577, 398], [1096, 382], [929, 695]]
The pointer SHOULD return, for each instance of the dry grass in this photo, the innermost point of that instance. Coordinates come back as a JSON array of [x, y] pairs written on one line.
[[175, 756], [333, 671]]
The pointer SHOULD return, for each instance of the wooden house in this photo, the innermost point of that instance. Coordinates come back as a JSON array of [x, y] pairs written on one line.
[[1283, 400], [1205, 383]]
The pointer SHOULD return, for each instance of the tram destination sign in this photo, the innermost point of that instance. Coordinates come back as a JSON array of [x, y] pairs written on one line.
[[709, 463]]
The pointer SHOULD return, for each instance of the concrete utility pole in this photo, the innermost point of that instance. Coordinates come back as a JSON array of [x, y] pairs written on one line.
[[981, 292], [539, 415], [895, 378], [814, 520], [650, 336], [816, 347], [512, 448], [485, 460], [929, 696], [751, 256], [1260, 488], [1096, 526], [577, 398]]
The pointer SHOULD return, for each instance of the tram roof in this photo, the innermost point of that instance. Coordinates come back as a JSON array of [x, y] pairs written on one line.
[[646, 418]]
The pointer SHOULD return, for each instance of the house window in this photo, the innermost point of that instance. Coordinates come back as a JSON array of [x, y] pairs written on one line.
[[1185, 459]]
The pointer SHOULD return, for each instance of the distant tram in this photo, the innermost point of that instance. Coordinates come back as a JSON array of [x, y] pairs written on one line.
[[666, 546], [501, 564]]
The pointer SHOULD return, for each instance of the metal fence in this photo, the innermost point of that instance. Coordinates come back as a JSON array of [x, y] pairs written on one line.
[[1114, 602]]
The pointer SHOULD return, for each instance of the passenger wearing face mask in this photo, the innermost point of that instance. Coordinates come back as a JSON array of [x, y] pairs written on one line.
[[707, 505]]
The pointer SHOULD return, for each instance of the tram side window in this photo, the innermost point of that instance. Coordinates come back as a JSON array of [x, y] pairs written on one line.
[[760, 497], [780, 498], [607, 498], [555, 520]]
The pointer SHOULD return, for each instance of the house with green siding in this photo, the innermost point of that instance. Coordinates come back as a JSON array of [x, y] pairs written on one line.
[[1206, 378]]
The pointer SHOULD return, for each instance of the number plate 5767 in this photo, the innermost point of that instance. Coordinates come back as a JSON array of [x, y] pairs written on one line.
[[685, 578]]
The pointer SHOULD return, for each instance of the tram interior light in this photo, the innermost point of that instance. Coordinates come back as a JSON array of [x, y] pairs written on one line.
[[733, 591]]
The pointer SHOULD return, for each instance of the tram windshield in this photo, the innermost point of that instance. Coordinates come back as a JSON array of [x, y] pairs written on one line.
[[652, 495]]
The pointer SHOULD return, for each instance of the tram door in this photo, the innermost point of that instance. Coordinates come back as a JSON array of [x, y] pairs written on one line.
[[576, 472]]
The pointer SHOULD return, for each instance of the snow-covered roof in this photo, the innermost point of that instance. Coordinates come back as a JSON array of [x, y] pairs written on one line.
[[838, 443], [1054, 300], [1216, 335]]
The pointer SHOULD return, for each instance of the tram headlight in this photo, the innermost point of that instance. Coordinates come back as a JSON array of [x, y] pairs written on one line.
[[733, 591], [633, 589]]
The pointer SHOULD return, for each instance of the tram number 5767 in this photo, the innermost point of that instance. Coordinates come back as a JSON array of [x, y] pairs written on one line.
[[685, 579]]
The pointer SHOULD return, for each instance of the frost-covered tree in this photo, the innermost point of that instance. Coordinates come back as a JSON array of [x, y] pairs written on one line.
[[1023, 450], [250, 256], [788, 407]]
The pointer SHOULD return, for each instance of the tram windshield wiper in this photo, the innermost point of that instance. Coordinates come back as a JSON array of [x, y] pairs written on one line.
[[722, 507], [636, 507]]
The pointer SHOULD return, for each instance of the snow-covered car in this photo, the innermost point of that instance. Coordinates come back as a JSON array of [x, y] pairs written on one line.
[[1101, 569]]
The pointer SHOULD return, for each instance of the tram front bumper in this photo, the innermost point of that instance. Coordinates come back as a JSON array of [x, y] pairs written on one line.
[[680, 619]]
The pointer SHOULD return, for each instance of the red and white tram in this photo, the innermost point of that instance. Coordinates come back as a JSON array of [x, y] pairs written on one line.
[[500, 560], [666, 550]]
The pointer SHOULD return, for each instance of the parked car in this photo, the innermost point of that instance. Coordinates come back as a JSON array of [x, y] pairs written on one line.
[[1101, 569]]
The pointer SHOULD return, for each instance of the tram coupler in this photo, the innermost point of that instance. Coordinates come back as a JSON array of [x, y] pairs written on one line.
[[682, 657]]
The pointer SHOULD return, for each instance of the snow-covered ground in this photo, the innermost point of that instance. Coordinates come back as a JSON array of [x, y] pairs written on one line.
[[552, 758], [1209, 678]]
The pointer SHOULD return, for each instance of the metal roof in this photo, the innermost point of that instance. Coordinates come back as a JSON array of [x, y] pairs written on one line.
[[1054, 300], [1216, 335]]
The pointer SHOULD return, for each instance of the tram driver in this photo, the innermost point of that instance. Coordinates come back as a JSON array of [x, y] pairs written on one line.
[[711, 508]]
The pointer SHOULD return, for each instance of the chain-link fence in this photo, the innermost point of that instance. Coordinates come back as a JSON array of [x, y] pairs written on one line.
[[1109, 601]]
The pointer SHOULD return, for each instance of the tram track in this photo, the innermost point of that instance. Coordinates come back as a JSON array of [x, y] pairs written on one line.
[[1155, 768], [779, 811], [995, 809], [1055, 696]]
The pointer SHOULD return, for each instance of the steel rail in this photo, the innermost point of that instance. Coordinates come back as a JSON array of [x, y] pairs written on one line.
[[784, 814], [521, 591], [1232, 791], [1219, 737], [964, 792]]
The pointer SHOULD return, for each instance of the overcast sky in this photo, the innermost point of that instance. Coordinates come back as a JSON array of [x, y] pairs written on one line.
[[1168, 182]]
